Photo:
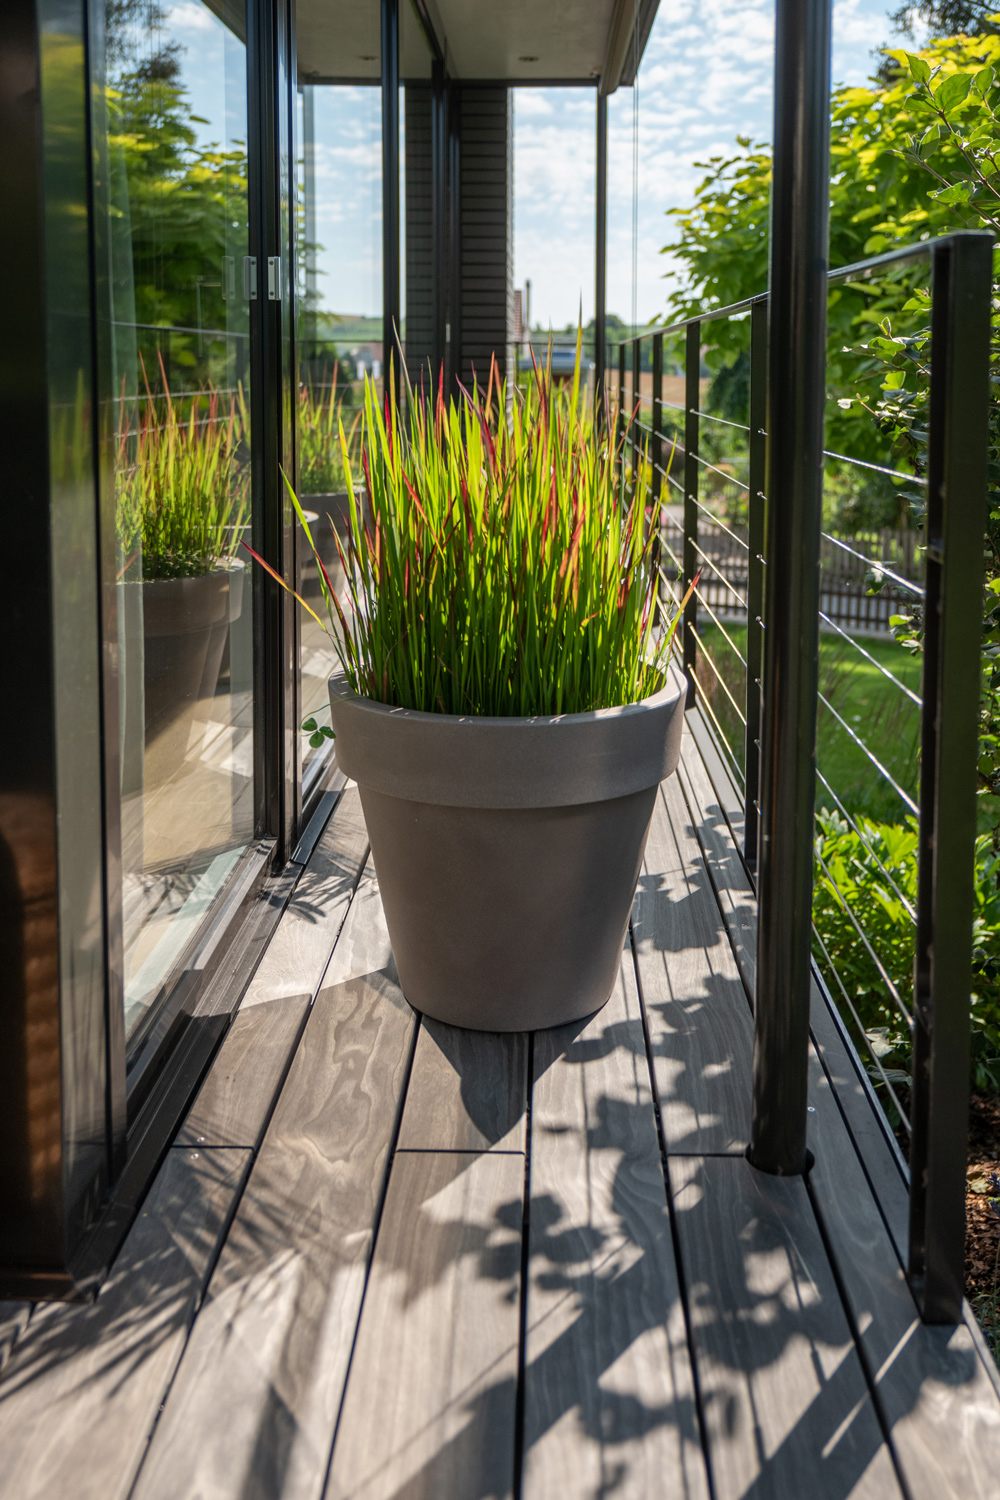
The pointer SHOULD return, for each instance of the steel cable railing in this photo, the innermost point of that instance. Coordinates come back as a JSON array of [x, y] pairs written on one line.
[[864, 578]]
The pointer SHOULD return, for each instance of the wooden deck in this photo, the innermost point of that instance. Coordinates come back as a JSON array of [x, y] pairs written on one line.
[[389, 1259]]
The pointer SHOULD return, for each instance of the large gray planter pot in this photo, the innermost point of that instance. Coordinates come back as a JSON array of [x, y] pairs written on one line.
[[508, 850]]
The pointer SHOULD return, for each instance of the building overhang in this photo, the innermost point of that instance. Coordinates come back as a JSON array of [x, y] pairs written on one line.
[[591, 42]]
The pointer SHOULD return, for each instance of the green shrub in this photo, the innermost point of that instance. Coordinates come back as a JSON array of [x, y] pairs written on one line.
[[849, 882]]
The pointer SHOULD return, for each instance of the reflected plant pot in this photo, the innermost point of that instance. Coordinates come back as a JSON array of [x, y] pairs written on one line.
[[186, 630], [508, 850]]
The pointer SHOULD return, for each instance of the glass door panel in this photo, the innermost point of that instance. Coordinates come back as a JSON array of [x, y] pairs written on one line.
[[339, 190], [176, 98]]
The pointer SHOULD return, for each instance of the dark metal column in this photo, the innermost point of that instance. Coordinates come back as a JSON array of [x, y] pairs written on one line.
[[453, 326], [439, 212], [755, 572], [272, 381], [796, 362], [601, 250], [390, 191], [635, 411], [620, 437], [953, 623], [656, 444], [689, 624], [656, 460], [61, 1120]]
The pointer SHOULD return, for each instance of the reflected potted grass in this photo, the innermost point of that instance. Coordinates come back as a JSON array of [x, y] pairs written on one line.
[[505, 699], [182, 507], [322, 477]]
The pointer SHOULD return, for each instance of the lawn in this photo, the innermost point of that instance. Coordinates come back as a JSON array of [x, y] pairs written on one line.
[[857, 692]]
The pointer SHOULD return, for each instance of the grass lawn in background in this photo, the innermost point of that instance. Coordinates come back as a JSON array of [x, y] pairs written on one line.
[[873, 707]]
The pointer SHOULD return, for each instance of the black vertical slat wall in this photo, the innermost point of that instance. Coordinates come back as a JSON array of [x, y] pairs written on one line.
[[487, 219], [419, 325]]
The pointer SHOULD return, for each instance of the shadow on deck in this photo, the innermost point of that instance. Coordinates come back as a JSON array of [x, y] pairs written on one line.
[[389, 1259]]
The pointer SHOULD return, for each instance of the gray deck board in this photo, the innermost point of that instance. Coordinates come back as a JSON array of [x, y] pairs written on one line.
[[699, 1022], [609, 1390], [83, 1387], [938, 1399], [787, 1408], [234, 1102], [939, 1403], [254, 1402], [468, 1091], [236, 1098], [13, 1321], [322, 1296], [739, 908], [429, 1408]]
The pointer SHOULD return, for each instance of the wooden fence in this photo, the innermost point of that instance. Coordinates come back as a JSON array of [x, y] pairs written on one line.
[[849, 566]]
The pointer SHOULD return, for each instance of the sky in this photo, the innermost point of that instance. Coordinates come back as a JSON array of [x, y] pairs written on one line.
[[705, 78]]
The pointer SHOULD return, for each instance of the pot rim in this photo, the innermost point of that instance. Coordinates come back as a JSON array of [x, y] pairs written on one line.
[[469, 760], [674, 684]]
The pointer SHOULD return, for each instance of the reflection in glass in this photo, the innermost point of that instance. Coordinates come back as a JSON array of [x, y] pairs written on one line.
[[340, 331], [177, 127], [340, 322]]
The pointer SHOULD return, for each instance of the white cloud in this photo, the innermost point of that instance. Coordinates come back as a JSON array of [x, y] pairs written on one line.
[[705, 78]]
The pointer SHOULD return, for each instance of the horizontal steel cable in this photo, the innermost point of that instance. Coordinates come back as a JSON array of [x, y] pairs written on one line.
[[857, 1021], [721, 524], [739, 780], [711, 417], [904, 900], [862, 463], [668, 476], [873, 562], [721, 681], [887, 775], [732, 644], [890, 984], [884, 670], [729, 478], [721, 576]]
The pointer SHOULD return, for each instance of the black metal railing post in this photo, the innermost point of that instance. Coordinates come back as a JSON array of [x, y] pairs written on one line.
[[953, 621], [620, 424], [796, 366], [391, 324], [656, 422], [636, 410], [601, 253], [689, 624], [755, 572]]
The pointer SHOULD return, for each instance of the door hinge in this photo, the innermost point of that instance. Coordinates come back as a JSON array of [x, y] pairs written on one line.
[[250, 278], [274, 278]]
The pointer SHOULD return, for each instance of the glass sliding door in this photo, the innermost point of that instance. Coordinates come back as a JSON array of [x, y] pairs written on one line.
[[341, 338], [181, 282], [340, 344]]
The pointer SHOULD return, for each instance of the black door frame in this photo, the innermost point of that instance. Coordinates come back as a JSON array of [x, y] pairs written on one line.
[[78, 1147]]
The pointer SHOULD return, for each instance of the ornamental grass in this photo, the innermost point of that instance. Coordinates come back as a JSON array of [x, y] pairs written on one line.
[[182, 488], [321, 466], [498, 565]]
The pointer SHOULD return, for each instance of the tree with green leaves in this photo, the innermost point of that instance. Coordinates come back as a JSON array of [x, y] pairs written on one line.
[[914, 155]]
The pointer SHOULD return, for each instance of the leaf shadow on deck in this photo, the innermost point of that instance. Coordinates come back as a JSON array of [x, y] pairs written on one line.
[[782, 1395]]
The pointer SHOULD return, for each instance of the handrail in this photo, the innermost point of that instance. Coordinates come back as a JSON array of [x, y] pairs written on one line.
[[955, 485]]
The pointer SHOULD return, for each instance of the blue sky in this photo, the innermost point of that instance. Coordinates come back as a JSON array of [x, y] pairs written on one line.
[[705, 78]]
